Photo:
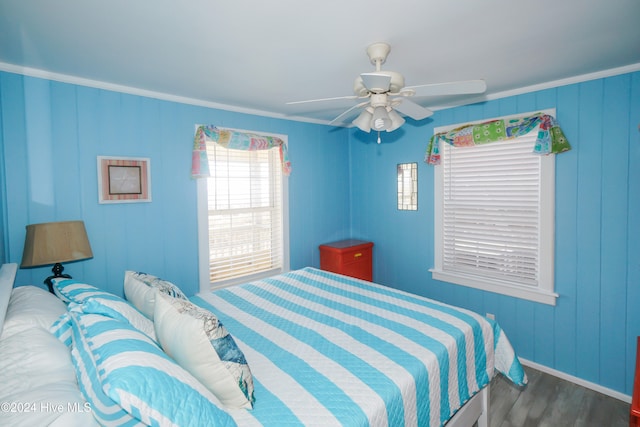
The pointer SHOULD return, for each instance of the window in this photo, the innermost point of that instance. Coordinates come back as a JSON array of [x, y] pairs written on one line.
[[494, 218], [408, 186], [242, 217]]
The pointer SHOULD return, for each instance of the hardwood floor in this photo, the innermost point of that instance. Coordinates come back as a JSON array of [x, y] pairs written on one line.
[[552, 402]]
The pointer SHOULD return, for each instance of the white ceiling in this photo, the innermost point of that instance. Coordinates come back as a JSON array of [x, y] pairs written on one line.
[[254, 56]]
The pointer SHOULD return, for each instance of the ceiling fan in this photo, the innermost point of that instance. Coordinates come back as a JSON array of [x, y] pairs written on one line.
[[386, 95]]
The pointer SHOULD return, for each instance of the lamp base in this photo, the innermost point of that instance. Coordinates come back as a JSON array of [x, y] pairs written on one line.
[[57, 272]]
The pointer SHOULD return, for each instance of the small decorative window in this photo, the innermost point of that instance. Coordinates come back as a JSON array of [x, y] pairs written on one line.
[[408, 186]]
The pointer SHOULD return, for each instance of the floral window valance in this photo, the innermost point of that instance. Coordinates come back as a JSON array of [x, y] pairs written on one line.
[[550, 137], [233, 139]]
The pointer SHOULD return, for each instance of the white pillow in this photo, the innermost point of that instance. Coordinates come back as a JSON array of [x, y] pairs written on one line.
[[36, 371], [195, 339], [141, 288], [30, 306]]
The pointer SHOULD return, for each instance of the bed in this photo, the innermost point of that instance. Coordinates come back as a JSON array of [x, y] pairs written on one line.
[[307, 347]]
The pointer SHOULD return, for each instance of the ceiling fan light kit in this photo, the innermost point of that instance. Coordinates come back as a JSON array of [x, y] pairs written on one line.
[[396, 120], [363, 121], [388, 97], [380, 120]]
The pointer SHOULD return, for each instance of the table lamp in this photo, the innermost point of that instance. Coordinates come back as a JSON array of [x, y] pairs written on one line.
[[54, 243]]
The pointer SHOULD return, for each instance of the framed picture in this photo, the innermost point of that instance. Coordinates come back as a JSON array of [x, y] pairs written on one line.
[[124, 179]]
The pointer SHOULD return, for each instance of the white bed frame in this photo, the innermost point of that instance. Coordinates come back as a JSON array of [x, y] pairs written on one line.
[[476, 409]]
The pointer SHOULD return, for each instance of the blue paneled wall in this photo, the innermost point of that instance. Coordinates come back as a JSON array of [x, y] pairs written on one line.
[[53, 132], [591, 332], [343, 185]]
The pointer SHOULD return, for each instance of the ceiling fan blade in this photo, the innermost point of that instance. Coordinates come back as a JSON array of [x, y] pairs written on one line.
[[322, 99], [450, 88], [348, 111], [413, 110], [376, 82]]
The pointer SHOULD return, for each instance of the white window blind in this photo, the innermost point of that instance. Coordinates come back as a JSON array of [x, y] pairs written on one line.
[[245, 223], [491, 213], [494, 218]]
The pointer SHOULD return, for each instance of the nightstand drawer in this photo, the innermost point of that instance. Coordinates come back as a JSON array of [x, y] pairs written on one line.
[[349, 257], [356, 255]]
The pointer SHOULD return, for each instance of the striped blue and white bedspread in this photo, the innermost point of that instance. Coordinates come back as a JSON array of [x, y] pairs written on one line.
[[326, 349]]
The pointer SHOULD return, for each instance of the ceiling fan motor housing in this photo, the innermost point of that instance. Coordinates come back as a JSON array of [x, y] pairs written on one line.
[[395, 86]]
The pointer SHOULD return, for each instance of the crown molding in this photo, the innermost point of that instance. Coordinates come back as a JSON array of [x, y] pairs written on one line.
[[97, 84]]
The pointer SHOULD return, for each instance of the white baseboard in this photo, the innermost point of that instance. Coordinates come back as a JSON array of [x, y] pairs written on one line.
[[579, 381]]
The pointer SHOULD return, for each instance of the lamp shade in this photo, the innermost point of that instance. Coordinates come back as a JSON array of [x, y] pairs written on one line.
[[55, 242]]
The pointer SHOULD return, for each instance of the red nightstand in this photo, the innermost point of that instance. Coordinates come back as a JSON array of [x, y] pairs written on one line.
[[349, 257], [634, 416]]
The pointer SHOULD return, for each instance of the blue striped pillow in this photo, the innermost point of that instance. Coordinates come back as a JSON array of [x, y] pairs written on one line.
[[137, 375], [95, 300], [69, 290], [62, 330], [103, 408]]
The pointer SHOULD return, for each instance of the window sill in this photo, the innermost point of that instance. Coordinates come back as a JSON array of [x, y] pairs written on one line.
[[504, 288], [245, 279]]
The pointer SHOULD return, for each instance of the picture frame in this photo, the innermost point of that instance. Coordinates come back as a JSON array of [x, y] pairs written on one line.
[[124, 179]]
